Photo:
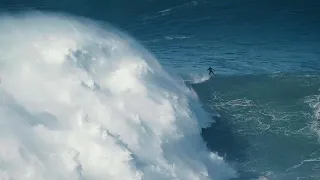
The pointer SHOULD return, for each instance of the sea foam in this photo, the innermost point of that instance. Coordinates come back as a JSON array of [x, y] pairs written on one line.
[[82, 100]]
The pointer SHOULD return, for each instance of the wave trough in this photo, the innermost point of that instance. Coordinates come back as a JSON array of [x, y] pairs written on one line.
[[81, 100]]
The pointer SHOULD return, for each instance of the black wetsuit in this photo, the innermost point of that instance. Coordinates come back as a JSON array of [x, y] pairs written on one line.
[[210, 70]]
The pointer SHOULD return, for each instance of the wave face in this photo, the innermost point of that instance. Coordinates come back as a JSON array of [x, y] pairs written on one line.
[[81, 100], [269, 123]]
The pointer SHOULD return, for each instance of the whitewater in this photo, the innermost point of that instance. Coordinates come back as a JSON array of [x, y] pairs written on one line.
[[82, 100]]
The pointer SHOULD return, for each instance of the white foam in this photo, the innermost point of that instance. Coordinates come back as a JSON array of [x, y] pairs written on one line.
[[196, 78], [80, 100], [314, 103]]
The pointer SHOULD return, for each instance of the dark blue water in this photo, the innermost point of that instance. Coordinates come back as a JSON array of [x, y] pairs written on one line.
[[236, 37], [266, 55]]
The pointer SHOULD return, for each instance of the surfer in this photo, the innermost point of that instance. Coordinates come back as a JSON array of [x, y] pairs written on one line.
[[211, 70]]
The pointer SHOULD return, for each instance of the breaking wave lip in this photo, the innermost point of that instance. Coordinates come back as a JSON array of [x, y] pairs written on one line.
[[81, 100], [197, 78]]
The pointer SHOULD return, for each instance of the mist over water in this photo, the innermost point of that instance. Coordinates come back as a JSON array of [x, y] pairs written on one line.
[[83, 99]]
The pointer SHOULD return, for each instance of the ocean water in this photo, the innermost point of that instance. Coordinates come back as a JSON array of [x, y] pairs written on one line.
[[96, 90]]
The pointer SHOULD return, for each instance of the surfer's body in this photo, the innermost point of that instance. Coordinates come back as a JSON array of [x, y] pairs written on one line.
[[210, 69]]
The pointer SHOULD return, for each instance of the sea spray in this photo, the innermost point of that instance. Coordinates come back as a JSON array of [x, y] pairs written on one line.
[[81, 100]]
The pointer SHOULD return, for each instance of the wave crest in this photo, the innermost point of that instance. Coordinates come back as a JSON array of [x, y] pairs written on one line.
[[80, 100]]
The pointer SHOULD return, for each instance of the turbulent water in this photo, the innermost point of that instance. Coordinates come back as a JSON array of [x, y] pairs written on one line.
[[119, 90], [267, 123]]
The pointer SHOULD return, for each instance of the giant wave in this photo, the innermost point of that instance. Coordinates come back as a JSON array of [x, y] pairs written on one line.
[[82, 100]]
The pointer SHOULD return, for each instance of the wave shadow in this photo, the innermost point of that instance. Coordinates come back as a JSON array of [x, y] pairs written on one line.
[[220, 138]]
